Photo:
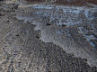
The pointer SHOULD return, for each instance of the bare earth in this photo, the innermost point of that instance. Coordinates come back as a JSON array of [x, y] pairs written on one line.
[[21, 49]]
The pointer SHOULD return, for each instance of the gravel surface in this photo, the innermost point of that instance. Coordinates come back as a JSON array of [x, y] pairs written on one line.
[[21, 49]]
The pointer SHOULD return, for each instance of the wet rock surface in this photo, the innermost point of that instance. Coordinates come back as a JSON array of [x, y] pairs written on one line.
[[21, 49]]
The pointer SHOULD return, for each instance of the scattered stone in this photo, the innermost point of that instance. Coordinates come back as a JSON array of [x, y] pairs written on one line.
[[1, 0], [1, 14], [63, 25], [32, 54], [37, 37], [17, 35], [48, 24]]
